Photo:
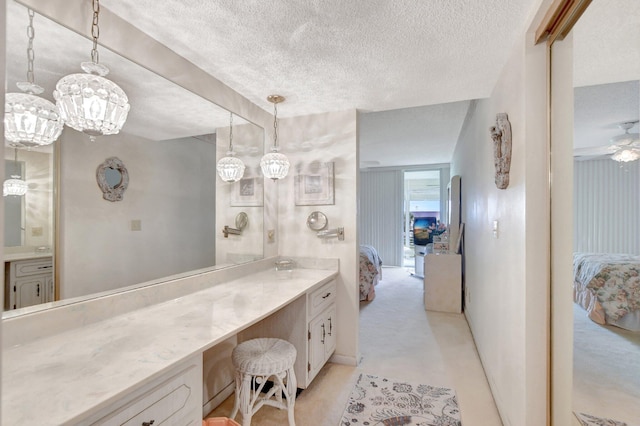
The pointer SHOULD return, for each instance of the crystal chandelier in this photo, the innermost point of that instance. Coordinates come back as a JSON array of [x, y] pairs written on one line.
[[275, 165], [89, 102], [29, 120], [16, 185], [230, 168], [626, 144]]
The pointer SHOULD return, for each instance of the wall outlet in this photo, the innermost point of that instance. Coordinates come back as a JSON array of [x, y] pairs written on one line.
[[271, 236], [36, 231], [136, 225]]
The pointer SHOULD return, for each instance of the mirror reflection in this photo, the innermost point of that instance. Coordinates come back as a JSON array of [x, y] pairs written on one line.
[[168, 223], [606, 264]]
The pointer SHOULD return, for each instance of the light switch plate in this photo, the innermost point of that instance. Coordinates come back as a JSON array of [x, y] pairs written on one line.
[[136, 225]]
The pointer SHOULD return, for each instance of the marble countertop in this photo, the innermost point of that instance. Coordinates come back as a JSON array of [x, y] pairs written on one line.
[[69, 376], [10, 257]]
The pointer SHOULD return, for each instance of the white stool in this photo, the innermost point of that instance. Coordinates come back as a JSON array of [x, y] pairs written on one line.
[[256, 361]]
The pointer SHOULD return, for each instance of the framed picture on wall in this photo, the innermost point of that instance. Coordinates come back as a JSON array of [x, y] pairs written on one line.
[[247, 192], [314, 184]]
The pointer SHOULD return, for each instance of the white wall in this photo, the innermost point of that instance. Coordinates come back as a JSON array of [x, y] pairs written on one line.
[[171, 190], [333, 137], [507, 278]]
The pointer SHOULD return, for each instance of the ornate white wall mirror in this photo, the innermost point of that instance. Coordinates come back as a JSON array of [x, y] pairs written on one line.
[[113, 179]]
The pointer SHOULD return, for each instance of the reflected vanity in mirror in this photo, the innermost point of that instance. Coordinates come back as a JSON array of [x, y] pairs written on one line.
[[174, 201]]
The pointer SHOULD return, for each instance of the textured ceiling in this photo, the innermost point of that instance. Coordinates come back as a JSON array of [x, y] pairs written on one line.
[[406, 63]]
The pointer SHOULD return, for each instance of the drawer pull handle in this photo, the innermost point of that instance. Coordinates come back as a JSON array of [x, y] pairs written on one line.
[[38, 290], [148, 423], [326, 295], [45, 267], [323, 334], [330, 326]]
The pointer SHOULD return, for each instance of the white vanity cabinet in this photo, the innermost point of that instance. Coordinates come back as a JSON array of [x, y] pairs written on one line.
[[173, 399], [309, 323], [29, 282]]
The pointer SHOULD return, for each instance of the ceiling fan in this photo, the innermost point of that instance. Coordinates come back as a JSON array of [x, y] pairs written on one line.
[[622, 148]]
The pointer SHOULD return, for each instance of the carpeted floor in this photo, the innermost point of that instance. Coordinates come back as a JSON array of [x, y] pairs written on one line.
[[606, 370], [402, 341]]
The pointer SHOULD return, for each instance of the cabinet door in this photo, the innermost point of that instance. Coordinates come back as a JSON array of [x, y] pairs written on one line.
[[330, 338], [51, 291], [29, 291], [318, 335], [322, 341]]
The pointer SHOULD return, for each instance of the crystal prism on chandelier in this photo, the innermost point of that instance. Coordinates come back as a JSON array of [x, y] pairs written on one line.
[[275, 165], [230, 168], [89, 102], [29, 120]]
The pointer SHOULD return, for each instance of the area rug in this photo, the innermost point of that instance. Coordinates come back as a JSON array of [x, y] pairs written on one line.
[[376, 401], [589, 420]]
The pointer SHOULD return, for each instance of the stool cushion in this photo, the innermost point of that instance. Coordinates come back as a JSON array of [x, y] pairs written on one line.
[[263, 356]]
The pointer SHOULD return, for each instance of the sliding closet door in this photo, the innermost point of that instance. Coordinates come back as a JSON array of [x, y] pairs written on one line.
[[380, 213]]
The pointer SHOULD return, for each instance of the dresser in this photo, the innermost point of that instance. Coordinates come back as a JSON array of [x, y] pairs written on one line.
[[28, 281]]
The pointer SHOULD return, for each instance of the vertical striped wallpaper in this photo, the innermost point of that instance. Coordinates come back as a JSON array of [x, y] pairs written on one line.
[[606, 206], [380, 213]]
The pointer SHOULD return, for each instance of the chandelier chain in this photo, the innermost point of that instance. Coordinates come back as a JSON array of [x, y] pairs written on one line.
[[30, 53], [231, 132], [95, 32], [275, 124]]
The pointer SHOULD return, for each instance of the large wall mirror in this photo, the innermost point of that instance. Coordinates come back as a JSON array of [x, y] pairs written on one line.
[[604, 314], [171, 217]]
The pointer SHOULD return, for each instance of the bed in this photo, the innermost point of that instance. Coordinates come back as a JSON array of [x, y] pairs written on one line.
[[607, 286], [370, 272]]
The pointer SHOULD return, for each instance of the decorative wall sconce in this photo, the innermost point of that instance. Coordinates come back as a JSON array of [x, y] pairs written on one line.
[[501, 136], [318, 222], [242, 220]]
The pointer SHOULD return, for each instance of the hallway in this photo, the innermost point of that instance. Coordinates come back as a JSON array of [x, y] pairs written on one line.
[[398, 340]]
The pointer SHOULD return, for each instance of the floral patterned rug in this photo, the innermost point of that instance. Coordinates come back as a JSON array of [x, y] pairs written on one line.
[[376, 401], [589, 420]]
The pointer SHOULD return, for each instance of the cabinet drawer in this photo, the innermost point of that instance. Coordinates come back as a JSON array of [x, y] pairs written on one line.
[[173, 402], [321, 298], [32, 267]]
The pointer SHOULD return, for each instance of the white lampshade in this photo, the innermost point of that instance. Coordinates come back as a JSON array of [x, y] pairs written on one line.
[[230, 168], [14, 186], [274, 165], [30, 121], [91, 103], [625, 155]]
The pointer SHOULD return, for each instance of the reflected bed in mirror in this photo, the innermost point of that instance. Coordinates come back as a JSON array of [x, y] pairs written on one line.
[[170, 220]]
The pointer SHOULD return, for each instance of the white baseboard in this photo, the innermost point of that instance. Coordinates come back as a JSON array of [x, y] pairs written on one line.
[[213, 403], [344, 360]]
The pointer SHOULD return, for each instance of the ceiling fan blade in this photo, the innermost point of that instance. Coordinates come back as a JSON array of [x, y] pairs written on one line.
[[594, 151]]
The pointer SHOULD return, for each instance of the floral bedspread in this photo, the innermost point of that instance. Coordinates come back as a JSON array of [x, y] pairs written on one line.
[[607, 285], [370, 271]]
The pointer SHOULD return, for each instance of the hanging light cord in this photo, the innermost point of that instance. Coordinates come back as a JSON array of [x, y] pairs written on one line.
[[275, 125], [231, 132], [95, 32], [31, 32]]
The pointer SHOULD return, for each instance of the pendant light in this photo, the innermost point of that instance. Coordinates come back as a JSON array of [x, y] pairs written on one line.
[[29, 120], [89, 102], [230, 168], [16, 185], [275, 165]]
